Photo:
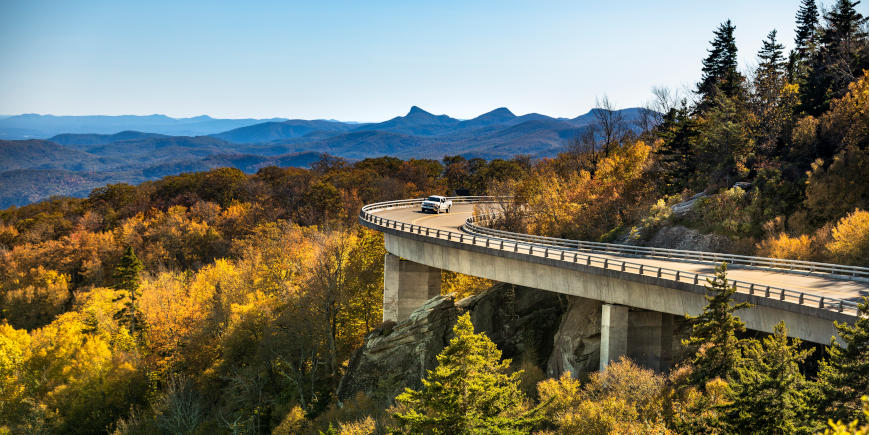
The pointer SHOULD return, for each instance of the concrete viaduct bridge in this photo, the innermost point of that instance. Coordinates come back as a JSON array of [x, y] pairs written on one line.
[[641, 289]]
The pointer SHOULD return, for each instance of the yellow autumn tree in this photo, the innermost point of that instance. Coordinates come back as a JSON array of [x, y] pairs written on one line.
[[588, 205], [850, 243]]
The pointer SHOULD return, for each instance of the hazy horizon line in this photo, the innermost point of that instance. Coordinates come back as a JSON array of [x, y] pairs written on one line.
[[302, 119]]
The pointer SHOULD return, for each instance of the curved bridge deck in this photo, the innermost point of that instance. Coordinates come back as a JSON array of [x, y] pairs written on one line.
[[828, 287], [808, 302]]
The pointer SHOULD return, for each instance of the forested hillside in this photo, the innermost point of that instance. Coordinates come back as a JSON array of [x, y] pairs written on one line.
[[776, 162], [226, 302]]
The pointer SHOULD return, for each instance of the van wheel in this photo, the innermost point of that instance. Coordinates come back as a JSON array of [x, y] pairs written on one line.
[[448, 209]]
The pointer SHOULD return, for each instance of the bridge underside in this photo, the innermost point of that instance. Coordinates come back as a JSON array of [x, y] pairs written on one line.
[[407, 285], [645, 336]]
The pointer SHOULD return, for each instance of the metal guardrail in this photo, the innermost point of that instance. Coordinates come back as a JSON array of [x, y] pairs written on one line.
[[515, 244], [839, 271]]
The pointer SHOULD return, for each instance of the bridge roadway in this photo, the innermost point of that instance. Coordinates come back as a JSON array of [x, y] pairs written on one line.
[[629, 288], [812, 284]]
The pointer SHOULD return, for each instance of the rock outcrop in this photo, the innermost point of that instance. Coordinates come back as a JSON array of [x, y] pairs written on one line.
[[521, 321], [554, 332], [397, 355], [680, 237], [576, 342]]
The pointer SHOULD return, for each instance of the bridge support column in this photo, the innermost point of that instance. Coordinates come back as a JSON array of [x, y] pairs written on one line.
[[650, 339], [614, 333], [407, 285]]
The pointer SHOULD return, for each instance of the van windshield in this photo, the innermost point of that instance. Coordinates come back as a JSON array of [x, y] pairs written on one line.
[[433, 198]]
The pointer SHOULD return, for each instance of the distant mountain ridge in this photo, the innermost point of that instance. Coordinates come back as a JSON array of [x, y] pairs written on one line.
[[135, 148], [277, 130], [34, 126], [83, 140]]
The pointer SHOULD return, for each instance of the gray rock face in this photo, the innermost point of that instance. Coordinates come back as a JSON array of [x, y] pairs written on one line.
[[557, 333], [576, 343], [520, 321], [680, 237], [397, 355], [684, 208]]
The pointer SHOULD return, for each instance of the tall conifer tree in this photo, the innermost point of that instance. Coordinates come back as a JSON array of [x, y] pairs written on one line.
[[841, 58], [678, 130], [470, 392], [127, 276], [843, 377], [719, 70], [768, 391], [806, 27], [716, 331], [807, 19], [768, 84]]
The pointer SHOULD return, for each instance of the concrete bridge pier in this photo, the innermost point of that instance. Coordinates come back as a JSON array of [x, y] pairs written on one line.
[[614, 333], [650, 339], [407, 286], [644, 336]]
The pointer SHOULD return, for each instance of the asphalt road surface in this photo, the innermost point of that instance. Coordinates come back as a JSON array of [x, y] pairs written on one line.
[[813, 284]]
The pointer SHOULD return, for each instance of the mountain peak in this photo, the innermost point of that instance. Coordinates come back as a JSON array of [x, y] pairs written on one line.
[[501, 112], [417, 111], [493, 117]]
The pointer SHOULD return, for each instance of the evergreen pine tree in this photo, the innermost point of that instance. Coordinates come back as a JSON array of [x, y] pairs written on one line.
[[127, 279], [767, 89], [806, 28], [843, 378], [768, 392], [840, 59], [719, 70], [715, 330], [807, 19], [771, 59], [470, 391], [677, 131]]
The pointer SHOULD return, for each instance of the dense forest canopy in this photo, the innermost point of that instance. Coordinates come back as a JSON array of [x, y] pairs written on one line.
[[220, 302]]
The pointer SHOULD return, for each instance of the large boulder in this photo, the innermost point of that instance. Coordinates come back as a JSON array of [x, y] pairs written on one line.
[[397, 355], [576, 342], [520, 321], [554, 332]]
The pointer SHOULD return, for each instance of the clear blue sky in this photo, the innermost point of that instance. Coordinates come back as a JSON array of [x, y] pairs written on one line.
[[359, 60]]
